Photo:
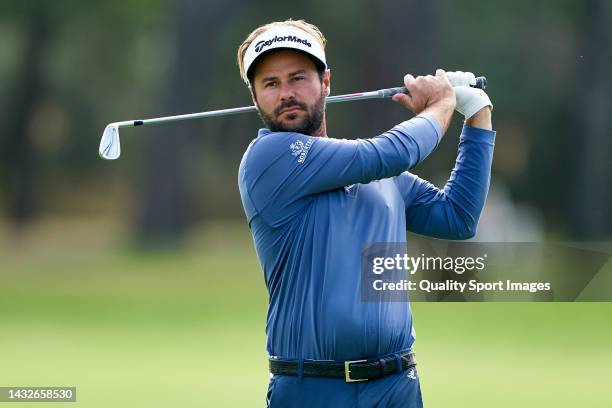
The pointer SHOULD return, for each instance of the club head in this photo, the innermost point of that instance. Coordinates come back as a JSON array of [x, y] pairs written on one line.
[[110, 147]]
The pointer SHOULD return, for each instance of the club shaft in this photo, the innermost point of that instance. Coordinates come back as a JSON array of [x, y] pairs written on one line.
[[244, 109], [381, 93], [176, 118]]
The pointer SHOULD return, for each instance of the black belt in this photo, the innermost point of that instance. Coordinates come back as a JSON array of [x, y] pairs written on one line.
[[351, 371]]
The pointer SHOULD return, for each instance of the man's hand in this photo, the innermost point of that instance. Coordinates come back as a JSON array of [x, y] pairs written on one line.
[[469, 100], [431, 95]]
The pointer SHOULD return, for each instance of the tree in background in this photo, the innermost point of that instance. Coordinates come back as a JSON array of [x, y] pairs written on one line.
[[19, 161], [591, 110], [166, 202]]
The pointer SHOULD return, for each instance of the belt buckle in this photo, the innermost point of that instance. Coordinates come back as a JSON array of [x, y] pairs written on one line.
[[347, 371]]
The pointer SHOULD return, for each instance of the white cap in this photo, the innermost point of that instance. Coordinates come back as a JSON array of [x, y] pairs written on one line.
[[283, 37]]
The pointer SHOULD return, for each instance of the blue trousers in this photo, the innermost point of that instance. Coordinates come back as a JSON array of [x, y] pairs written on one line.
[[396, 390]]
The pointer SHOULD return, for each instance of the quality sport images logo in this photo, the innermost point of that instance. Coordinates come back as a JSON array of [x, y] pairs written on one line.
[[291, 38]]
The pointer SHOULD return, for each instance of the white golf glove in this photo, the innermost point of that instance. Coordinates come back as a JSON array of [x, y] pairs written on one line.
[[469, 100]]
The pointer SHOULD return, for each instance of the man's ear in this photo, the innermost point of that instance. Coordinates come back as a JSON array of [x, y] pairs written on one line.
[[327, 82]]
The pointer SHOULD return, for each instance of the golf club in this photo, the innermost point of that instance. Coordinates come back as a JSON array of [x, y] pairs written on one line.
[[110, 146]]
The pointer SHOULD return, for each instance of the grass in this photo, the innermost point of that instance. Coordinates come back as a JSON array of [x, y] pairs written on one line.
[[187, 329]]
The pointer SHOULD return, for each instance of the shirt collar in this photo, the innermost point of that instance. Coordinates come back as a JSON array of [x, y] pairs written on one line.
[[263, 132]]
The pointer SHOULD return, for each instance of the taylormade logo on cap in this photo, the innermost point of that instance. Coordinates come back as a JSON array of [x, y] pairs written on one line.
[[262, 44], [283, 37]]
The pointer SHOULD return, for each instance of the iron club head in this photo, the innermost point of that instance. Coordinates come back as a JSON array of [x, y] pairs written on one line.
[[110, 147]]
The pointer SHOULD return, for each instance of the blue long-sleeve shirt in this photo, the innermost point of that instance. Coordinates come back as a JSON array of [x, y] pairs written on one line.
[[312, 203]]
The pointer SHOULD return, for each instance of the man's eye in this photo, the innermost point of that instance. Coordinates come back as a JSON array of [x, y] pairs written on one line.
[[298, 78], [269, 84]]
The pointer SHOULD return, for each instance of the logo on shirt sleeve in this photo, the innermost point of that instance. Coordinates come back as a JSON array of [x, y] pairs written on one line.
[[300, 149]]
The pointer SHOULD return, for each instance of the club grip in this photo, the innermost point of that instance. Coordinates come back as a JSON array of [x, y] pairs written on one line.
[[481, 82]]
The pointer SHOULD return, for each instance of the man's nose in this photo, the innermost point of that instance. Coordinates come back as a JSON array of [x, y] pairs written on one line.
[[286, 91]]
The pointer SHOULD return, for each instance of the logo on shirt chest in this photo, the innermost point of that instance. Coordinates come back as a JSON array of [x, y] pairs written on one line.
[[300, 149]]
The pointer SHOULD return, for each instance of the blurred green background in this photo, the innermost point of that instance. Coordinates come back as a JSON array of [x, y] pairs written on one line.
[[136, 281]]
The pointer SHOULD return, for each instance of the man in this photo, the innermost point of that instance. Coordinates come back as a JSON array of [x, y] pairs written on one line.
[[312, 202]]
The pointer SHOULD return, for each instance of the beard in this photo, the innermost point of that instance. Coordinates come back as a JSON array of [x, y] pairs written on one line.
[[307, 126]]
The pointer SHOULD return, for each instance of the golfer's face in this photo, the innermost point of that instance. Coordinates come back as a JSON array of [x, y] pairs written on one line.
[[289, 91]]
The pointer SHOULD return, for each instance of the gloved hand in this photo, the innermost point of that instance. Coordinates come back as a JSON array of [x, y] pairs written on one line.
[[469, 100]]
